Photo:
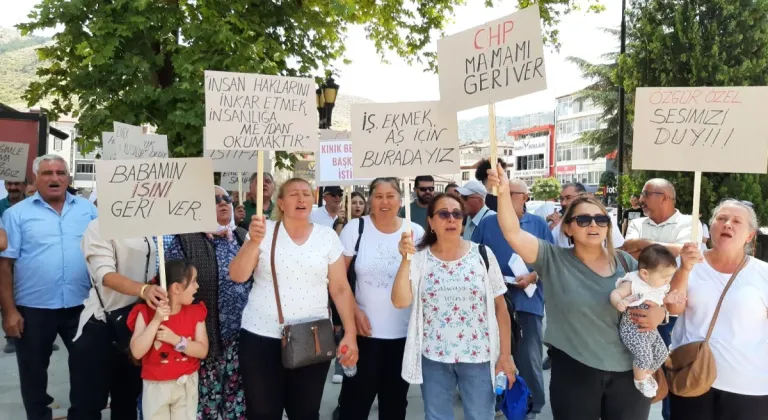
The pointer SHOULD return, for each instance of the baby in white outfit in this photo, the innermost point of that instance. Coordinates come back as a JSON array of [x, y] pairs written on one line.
[[650, 284]]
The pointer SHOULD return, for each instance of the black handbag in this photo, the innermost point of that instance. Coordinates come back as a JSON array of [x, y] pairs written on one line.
[[117, 318], [306, 343]]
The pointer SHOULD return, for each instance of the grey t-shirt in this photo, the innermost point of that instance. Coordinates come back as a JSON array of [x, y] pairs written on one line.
[[580, 318]]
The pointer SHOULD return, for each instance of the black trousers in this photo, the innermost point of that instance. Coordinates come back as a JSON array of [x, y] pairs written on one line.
[[719, 405], [98, 370], [579, 392], [33, 354], [379, 371], [270, 388]]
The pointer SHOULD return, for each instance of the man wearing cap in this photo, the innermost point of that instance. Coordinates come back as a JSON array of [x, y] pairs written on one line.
[[327, 214], [473, 193]]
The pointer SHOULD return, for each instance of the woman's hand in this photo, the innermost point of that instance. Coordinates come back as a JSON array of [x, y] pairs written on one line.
[[690, 255], [162, 312], [497, 178], [257, 228], [507, 365], [648, 319], [155, 296], [348, 358], [675, 298], [362, 323], [406, 245], [166, 335]]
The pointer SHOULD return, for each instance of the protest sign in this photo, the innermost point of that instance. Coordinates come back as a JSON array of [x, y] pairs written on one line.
[[333, 163], [706, 129], [229, 180], [108, 146], [143, 146], [153, 197], [235, 160], [502, 59], [245, 111], [404, 139], [123, 131], [13, 161]]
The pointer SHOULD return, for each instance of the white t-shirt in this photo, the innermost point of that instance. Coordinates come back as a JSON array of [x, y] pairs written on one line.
[[302, 277], [739, 341], [320, 216], [376, 265]]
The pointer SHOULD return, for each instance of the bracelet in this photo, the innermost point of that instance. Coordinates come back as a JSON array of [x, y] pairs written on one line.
[[143, 288]]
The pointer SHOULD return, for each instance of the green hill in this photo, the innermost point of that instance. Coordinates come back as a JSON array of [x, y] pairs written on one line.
[[18, 61]]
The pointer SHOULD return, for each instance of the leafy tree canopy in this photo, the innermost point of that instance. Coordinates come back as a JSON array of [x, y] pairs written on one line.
[[142, 61], [545, 189]]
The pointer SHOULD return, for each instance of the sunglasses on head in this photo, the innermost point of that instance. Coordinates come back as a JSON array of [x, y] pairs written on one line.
[[445, 214], [225, 198], [426, 189], [585, 220], [744, 202]]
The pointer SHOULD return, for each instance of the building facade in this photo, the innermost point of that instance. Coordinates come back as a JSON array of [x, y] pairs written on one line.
[[533, 153], [577, 162]]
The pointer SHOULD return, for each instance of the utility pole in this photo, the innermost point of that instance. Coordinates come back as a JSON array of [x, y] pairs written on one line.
[[622, 112]]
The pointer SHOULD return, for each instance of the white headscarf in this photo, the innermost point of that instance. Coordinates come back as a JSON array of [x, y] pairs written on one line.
[[225, 230]]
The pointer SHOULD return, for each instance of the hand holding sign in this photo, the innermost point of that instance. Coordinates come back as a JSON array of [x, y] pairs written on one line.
[[257, 228]]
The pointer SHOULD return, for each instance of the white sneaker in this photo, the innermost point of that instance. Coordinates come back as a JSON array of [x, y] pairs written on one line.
[[337, 379], [648, 386]]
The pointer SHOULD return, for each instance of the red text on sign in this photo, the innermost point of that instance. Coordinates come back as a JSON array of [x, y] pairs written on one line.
[[483, 40]]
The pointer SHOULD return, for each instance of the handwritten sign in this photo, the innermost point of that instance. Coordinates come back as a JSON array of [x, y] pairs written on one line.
[[13, 161], [333, 165], [123, 131], [153, 197], [245, 111], [500, 60], [706, 129], [404, 139], [229, 181], [108, 146], [143, 146]]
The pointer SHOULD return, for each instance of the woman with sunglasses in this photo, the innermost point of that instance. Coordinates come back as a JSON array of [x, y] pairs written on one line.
[[381, 327], [459, 329], [591, 368], [220, 389]]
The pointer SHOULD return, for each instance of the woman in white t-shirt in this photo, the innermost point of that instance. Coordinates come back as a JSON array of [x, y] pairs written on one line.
[[739, 341], [308, 265], [459, 332], [381, 327]]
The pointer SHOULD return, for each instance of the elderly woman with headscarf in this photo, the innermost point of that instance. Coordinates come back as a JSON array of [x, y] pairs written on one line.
[[220, 390]]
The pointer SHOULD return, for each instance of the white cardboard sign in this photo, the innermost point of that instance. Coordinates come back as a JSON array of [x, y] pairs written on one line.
[[500, 60], [108, 146], [706, 129], [153, 197], [404, 139], [333, 163], [123, 131], [143, 146], [229, 181], [13, 161], [245, 111]]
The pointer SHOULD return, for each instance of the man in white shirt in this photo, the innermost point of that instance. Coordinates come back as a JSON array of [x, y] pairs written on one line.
[[327, 214], [473, 193]]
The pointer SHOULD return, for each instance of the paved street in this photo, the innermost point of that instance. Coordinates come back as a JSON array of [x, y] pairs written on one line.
[[58, 386]]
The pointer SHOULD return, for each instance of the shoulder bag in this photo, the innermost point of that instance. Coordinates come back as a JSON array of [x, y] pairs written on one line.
[[691, 368], [306, 343], [116, 319]]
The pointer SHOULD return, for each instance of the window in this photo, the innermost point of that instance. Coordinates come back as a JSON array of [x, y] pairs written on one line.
[[587, 124], [564, 106], [530, 162], [574, 151], [85, 168], [57, 145], [465, 175]]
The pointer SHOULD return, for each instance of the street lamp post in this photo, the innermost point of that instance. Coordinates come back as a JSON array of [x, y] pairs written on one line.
[[326, 100]]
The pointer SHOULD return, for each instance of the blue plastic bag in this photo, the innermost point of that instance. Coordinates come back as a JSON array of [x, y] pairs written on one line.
[[517, 401]]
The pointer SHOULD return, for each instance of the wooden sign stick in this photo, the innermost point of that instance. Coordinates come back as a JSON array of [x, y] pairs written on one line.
[[260, 181], [407, 181], [161, 266], [695, 234], [492, 134], [349, 203], [240, 198]]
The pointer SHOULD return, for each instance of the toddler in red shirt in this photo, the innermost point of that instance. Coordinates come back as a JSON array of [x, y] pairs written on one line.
[[170, 350]]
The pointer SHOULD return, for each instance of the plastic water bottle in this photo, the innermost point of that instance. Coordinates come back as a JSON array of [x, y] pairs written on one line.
[[501, 383], [349, 371]]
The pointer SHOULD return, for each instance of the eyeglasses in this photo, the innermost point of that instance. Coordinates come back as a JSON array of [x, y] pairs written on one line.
[[584, 220], [646, 194], [426, 189], [225, 198], [445, 214], [567, 197]]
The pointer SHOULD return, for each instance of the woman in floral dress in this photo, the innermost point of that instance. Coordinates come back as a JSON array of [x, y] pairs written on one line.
[[459, 330]]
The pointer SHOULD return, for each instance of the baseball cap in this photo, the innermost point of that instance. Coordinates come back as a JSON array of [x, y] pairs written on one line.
[[333, 190], [472, 187]]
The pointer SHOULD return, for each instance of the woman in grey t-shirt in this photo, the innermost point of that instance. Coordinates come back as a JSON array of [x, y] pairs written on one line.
[[591, 369]]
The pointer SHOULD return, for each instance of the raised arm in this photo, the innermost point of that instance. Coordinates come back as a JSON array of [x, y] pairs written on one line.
[[242, 266], [690, 255], [402, 295], [525, 244]]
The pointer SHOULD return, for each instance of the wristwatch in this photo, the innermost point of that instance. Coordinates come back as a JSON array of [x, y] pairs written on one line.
[[181, 346]]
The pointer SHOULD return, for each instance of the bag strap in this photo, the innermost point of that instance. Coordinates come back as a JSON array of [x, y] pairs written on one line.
[[360, 227], [484, 255], [280, 318], [722, 296], [623, 261]]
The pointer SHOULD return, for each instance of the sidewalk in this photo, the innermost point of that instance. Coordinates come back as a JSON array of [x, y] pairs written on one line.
[[58, 386]]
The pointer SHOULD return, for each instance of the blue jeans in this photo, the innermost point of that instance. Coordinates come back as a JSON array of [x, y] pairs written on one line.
[[666, 335], [528, 358], [475, 387]]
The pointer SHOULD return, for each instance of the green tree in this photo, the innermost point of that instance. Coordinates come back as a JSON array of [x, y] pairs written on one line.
[[545, 189], [142, 61], [608, 179]]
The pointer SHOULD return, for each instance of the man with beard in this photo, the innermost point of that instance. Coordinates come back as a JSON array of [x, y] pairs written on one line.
[[424, 186], [327, 214], [43, 277]]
